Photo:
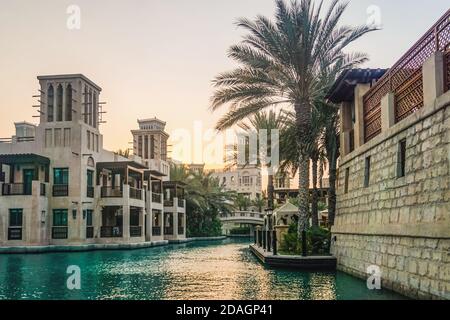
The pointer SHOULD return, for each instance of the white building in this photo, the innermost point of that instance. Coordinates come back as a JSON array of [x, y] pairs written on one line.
[[60, 187], [244, 180]]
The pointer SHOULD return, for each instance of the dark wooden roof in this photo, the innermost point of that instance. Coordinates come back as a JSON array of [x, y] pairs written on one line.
[[23, 158], [120, 165], [344, 88]]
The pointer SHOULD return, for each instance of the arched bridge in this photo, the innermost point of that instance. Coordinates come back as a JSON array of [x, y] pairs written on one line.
[[243, 217]]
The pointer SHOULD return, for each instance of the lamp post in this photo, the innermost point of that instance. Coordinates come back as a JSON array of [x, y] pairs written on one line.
[[269, 215]]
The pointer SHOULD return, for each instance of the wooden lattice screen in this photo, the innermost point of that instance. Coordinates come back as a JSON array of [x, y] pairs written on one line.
[[404, 79]]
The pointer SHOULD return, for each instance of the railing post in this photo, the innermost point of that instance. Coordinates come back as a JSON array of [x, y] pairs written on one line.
[[268, 240], [274, 244], [433, 78]]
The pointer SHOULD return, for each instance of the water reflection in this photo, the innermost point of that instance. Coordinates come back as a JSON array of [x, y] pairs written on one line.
[[219, 270]]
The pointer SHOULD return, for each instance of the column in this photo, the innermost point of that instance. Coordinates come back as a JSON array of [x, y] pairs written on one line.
[[360, 91], [387, 111], [433, 78]]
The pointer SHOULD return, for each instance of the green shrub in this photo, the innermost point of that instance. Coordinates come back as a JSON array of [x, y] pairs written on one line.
[[317, 241]]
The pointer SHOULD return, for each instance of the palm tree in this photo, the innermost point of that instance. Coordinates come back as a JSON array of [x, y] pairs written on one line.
[[259, 203], [282, 64], [266, 121]]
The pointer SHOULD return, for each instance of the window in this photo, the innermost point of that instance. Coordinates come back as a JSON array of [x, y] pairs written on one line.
[[347, 173], [92, 141], [15, 224], [94, 111], [89, 218], [401, 159], [59, 104], [60, 217], [15, 217], [88, 136], [140, 146], [86, 106], [66, 137], [90, 184], [48, 138], [246, 180], [69, 103], [50, 103], [152, 147], [146, 147], [58, 137], [61, 176], [96, 143], [367, 173]]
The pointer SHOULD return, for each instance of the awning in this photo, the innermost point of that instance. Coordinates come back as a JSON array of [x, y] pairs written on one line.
[[23, 158]]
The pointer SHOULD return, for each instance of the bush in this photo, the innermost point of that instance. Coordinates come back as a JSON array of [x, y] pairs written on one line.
[[317, 241]]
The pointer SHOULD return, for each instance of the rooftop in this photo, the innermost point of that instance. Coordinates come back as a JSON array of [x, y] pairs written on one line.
[[70, 76]]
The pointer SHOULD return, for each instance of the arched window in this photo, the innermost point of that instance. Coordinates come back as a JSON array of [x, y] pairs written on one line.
[[50, 101], [91, 162], [59, 103], [69, 103]]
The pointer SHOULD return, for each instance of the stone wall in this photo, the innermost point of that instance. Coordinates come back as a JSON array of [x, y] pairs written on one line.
[[401, 224]]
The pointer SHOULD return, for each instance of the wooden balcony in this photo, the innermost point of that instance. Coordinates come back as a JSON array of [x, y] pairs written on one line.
[[135, 193], [111, 192], [89, 232], [15, 189], [15, 233], [59, 233], [135, 231], [156, 231]]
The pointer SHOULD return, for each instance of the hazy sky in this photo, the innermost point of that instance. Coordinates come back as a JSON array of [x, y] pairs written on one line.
[[158, 57]]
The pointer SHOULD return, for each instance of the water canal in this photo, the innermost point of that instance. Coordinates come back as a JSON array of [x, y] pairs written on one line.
[[202, 270]]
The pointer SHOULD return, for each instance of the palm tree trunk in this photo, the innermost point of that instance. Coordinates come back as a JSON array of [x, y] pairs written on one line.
[[303, 121], [332, 160], [270, 191], [315, 195]]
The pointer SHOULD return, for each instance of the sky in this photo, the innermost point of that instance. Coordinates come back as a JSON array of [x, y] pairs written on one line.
[[158, 57]]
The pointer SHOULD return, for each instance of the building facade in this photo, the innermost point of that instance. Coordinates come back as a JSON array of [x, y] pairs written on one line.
[[244, 180], [60, 187], [393, 196]]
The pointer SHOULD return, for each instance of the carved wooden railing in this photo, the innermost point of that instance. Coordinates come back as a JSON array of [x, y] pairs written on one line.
[[404, 79]]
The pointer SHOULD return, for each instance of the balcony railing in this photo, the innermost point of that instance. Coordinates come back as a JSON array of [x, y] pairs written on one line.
[[156, 197], [90, 192], [168, 203], [59, 232], [135, 231], [168, 230], [180, 203], [156, 231], [60, 190], [111, 192], [89, 232], [15, 233], [180, 230], [135, 193], [111, 232], [405, 79], [15, 189]]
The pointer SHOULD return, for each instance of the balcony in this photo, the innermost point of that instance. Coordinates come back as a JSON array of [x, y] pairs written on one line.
[[111, 192], [156, 231], [135, 193], [156, 197], [180, 230], [168, 203], [15, 189], [90, 192], [111, 232], [135, 231], [59, 233], [168, 230], [60, 190], [15, 233], [89, 232]]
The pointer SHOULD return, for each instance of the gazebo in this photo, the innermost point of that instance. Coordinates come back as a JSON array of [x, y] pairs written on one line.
[[286, 214]]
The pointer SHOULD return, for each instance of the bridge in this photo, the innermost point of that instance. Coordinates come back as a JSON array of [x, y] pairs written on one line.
[[241, 218]]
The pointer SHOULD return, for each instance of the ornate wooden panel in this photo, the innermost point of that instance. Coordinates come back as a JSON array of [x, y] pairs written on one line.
[[404, 79]]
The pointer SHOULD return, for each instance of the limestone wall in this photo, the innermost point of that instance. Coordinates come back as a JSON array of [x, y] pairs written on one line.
[[401, 224]]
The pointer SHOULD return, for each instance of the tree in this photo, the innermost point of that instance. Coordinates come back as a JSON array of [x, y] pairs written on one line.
[[283, 64], [205, 200]]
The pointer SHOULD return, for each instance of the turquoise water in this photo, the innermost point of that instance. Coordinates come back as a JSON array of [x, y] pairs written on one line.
[[212, 270]]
